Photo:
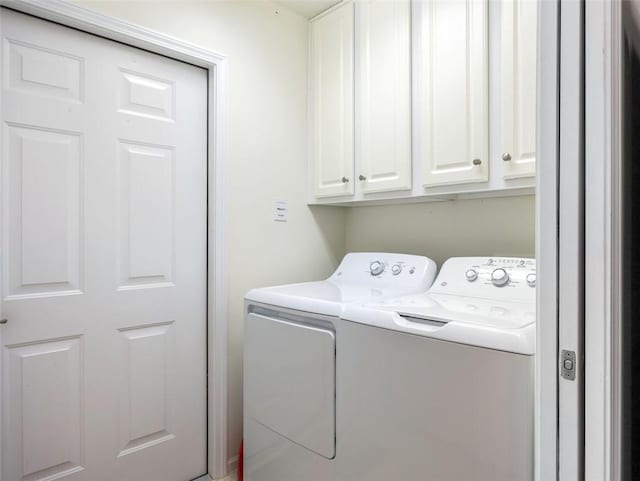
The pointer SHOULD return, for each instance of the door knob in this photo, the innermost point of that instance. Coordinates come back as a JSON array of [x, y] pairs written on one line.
[[3, 321], [345, 180], [506, 156], [477, 161], [362, 177]]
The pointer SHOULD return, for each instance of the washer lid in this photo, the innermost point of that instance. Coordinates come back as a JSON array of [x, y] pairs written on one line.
[[468, 310], [505, 326]]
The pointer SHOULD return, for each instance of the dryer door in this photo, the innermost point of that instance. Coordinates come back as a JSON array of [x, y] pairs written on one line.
[[290, 380]]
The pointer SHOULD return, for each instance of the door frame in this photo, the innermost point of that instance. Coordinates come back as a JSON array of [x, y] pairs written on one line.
[[571, 240], [80, 18], [603, 235], [547, 245], [602, 238]]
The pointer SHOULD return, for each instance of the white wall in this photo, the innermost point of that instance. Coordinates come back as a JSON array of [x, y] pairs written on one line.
[[267, 50], [499, 226]]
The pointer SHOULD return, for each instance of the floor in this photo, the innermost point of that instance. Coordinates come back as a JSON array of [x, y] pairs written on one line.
[[231, 477]]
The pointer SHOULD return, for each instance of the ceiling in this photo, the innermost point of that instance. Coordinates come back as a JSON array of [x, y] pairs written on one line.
[[307, 8]]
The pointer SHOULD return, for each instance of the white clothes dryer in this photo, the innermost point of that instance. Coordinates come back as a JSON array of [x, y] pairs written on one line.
[[439, 386], [291, 344]]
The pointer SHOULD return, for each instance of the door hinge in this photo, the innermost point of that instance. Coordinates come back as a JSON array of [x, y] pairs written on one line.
[[568, 364]]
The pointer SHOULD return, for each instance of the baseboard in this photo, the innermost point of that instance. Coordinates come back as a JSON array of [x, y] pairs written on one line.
[[230, 477], [232, 464], [232, 469]]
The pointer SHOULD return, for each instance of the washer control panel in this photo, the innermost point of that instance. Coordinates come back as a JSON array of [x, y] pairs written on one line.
[[531, 279], [499, 277], [490, 277], [471, 274]]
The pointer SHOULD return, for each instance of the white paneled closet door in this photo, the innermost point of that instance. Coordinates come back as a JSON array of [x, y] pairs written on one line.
[[333, 108], [384, 56], [453, 91], [519, 37], [104, 255]]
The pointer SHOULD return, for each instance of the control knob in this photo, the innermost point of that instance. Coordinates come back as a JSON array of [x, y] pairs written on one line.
[[396, 269], [376, 268], [471, 275], [531, 279], [499, 277]]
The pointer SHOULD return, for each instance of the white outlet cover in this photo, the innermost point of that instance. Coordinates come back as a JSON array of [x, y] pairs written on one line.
[[281, 211]]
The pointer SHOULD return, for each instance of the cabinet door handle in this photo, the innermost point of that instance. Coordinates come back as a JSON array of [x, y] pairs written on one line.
[[477, 161], [345, 180], [3, 321], [362, 177], [506, 156]]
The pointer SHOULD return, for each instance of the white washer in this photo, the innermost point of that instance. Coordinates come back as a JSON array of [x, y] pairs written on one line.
[[290, 362], [440, 386]]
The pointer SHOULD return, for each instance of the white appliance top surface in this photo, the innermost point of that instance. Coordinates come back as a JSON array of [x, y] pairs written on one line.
[[468, 310], [360, 277], [465, 305]]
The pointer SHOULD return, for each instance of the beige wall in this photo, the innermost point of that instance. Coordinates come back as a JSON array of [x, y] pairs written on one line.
[[267, 111], [267, 127], [491, 227]]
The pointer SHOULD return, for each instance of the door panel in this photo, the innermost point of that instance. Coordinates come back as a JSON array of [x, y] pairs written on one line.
[[146, 96], [290, 384], [519, 34], [45, 409], [41, 71], [104, 221], [147, 354], [385, 98], [43, 164], [146, 211], [333, 109], [454, 91]]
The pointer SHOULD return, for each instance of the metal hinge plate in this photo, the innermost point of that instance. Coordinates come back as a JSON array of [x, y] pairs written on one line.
[[568, 364]]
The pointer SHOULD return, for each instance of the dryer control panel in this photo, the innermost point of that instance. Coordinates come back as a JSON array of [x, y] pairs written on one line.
[[508, 278], [386, 270]]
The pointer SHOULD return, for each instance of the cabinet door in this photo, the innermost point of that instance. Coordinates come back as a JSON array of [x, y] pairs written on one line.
[[519, 88], [384, 53], [454, 91], [332, 84]]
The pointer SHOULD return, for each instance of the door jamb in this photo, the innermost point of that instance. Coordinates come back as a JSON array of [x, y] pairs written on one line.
[[603, 141], [81, 18], [547, 198], [571, 241]]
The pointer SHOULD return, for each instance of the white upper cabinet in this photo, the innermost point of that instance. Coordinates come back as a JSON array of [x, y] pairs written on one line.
[[519, 25], [453, 83], [422, 99], [332, 71], [384, 95]]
